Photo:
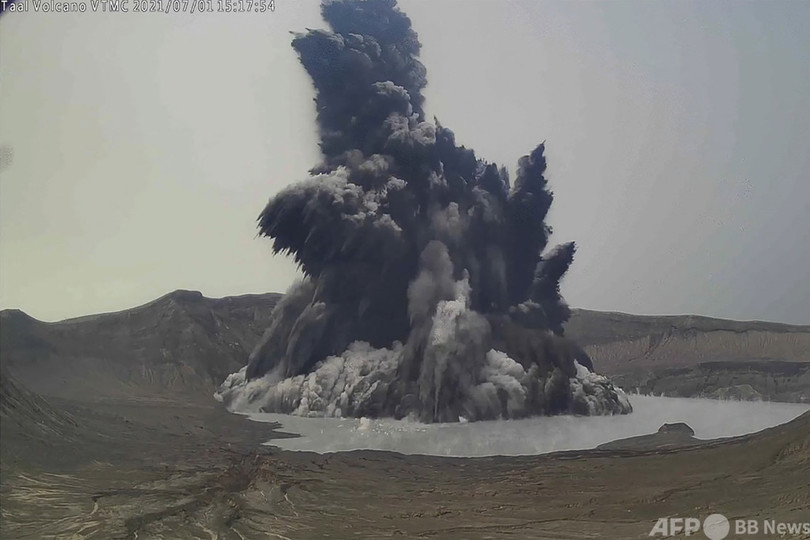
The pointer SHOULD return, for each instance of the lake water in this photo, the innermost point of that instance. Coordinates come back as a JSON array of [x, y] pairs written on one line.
[[709, 418]]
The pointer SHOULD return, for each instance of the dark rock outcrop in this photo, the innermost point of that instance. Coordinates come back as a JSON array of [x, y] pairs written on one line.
[[677, 427], [668, 437]]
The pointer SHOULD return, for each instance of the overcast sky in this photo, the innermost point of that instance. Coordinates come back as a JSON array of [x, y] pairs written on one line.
[[677, 134]]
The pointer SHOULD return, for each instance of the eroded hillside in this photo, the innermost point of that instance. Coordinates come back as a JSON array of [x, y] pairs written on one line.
[[698, 356]]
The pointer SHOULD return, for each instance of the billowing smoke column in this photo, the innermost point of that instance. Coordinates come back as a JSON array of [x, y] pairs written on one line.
[[427, 293]]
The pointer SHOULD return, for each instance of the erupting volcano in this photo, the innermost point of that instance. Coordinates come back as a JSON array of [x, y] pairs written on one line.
[[428, 290]]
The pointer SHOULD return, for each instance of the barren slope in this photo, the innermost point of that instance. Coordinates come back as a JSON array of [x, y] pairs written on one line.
[[179, 343], [697, 356], [192, 486], [184, 342]]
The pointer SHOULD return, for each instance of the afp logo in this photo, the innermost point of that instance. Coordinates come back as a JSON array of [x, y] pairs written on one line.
[[715, 527]]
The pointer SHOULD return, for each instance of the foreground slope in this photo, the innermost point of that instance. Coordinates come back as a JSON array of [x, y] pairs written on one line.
[[227, 486], [29, 422]]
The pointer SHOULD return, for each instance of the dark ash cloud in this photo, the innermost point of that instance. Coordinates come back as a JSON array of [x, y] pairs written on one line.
[[427, 291]]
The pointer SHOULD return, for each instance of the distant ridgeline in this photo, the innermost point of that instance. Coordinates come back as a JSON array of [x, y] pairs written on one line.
[[694, 356], [185, 343]]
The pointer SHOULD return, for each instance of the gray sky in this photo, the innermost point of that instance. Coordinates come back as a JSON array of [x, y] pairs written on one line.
[[144, 146]]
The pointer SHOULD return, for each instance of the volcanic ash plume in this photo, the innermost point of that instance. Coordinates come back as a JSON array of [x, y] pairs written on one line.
[[428, 292]]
